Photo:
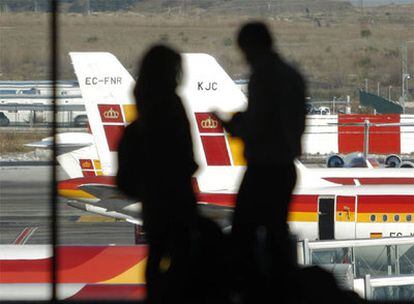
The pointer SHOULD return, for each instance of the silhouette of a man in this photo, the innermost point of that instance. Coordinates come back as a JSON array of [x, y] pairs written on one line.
[[271, 129]]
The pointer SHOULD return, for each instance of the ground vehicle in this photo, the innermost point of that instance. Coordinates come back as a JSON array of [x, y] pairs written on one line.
[[4, 121], [81, 121]]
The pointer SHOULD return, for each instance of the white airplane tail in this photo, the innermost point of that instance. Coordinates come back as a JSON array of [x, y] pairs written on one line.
[[107, 86]]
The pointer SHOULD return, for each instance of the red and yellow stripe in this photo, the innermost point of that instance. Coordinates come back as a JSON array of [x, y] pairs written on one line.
[[81, 264]]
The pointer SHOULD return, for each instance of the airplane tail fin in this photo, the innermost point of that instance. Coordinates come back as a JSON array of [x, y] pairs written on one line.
[[106, 88], [206, 87], [107, 91]]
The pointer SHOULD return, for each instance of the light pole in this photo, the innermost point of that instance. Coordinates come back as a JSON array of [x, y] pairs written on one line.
[[405, 76]]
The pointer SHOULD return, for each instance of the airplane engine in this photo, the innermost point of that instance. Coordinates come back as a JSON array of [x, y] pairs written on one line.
[[393, 161], [407, 164], [335, 161]]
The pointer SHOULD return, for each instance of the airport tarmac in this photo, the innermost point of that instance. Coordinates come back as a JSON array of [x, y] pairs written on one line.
[[25, 209]]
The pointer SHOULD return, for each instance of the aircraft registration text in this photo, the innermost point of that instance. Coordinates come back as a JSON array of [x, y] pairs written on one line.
[[103, 80]]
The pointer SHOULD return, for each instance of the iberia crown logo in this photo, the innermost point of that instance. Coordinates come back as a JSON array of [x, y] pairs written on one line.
[[111, 114], [209, 123], [86, 165]]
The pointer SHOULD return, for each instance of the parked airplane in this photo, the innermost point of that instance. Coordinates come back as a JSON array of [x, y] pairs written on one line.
[[319, 210], [85, 162]]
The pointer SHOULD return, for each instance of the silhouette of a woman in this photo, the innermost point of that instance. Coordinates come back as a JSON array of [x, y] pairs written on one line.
[[160, 141]]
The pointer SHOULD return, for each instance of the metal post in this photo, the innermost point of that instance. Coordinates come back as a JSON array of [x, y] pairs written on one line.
[[307, 259], [389, 92], [348, 105], [389, 265], [404, 77], [368, 287], [404, 65], [366, 138], [403, 93], [54, 225], [404, 72], [397, 260], [88, 7], [366, 84], [1, 49], [353, 261]]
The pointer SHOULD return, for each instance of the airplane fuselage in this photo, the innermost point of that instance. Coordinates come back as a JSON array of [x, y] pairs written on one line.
[[339, 212]]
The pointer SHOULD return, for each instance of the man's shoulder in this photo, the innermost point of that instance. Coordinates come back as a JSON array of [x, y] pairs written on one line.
[[288, 68]]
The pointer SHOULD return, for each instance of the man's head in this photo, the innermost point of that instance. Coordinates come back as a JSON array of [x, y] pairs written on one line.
[[254, 39]]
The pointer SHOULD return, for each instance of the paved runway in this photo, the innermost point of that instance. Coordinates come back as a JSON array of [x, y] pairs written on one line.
[[25, 208]]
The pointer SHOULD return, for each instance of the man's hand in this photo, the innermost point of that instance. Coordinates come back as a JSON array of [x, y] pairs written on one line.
[[216, 115], [232, 123]]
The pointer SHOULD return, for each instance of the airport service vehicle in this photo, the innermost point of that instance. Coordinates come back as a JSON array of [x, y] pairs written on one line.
[[4, 121], [319, 210]]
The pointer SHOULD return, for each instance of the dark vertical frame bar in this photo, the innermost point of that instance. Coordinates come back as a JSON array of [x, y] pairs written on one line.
[[53, 27]]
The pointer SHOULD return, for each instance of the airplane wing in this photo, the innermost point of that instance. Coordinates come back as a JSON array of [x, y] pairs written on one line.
[[133, 218], [112, 200], [102, 191], [62, 148], [65, 142]]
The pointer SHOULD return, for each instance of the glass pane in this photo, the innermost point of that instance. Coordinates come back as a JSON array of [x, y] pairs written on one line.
[[351, 53], [25, 171]]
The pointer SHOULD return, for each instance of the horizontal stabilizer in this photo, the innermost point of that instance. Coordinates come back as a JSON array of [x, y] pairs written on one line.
[[65, 142], [308, 179], [101, 191]]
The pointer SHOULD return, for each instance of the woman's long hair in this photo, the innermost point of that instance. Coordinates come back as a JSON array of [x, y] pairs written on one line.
[[159, 75]]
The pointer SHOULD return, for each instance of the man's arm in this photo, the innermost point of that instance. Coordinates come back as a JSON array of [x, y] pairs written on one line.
[[234, 126]]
